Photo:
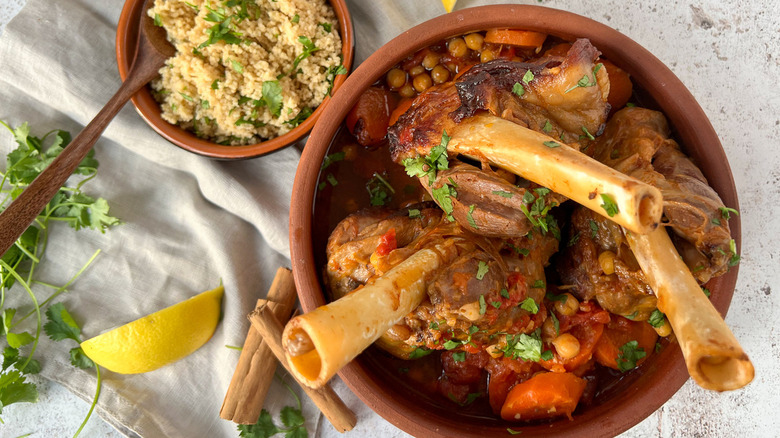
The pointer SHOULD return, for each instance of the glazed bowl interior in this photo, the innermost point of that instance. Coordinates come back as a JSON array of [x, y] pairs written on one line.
[[149, 109], [634, 397]]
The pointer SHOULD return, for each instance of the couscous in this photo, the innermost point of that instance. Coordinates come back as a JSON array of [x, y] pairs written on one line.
[[246, 70]]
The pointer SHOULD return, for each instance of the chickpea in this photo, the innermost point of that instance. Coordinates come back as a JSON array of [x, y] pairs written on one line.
[[569, 306], [487, 55], [407, 90], [400, 332], [457, 47], [474, 41], [607, 262], [416, 70], [396, 78], [430, 60], [422, 82], [566, 345], [440, 74], [664, 330]]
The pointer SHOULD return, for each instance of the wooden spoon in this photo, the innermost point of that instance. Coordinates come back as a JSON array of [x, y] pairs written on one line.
[[152, 52]]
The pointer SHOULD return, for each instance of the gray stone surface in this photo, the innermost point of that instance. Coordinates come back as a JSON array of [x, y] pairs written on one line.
[[728, 54]]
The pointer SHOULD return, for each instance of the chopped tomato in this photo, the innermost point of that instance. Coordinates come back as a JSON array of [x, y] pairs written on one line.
[[387, 243]]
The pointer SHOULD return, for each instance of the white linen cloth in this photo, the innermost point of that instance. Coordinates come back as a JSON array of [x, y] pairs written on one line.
[[190, 222]]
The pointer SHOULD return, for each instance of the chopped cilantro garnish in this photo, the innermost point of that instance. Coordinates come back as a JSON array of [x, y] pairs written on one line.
[[414, 213], [298, 119], [594, 228], [430, 164], [552, 144], [528, 76], [379, 190], [470, 218], [609, 205], [332, 158], [547, 355], [530, 306], [725, 212], [734, 260], [272, 97], [585, 81], [588, 135], [706, 291], [629, 354], [518, 89], [523, 346], [547, 126], [451, 344], [503, 194], [295, 19], [482, 305], [504, 293], [459, 356], [419, 352], [443, 196], [538, 284], [326, 26], [656, 318], [482, 269], [308, 49]]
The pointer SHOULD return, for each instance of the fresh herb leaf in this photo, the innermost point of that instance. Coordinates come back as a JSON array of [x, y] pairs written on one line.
[[222, 31], [428, 165], [326, 27], [734, 260], [629, 354], [523, 346], [379, 190], [482, 305], [547, 127], [157, 20], [414, 213], [518, 89], [556, 323], [528, 76], [609, 205], [482, 269], [451, 344], [298, 119], [503, 194], [547, 355], [513, 432], [725, 212], [419, 352], [295, 19], [656, 318], [459, 356], [530, 306], [331, 73], [332, 158], [594, 228], [504, 293], [538, 284], [588, 135], [574, 239], [470, 218], [264, 427], [552, 144], [14, 388], [61, 325], [443, 196], [585, 81], [706, 291], [308, 49], [272, 97]]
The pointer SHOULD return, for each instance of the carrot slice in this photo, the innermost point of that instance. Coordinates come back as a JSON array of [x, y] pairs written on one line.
[[545, 395], [619, 332], [620, 86], [403, 105], [515, 37]]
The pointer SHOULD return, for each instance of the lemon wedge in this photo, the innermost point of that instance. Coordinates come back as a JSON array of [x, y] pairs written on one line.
[[160, 338], [448, 4]]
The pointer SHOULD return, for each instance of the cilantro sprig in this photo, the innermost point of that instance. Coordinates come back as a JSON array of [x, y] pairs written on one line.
[[294, 424], [430, 164], [18, 264]]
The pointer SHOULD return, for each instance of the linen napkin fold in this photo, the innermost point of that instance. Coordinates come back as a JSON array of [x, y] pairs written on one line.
[[188, 222]]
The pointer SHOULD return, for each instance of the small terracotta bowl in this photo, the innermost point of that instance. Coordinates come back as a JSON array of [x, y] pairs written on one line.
[[126, 38], [638, 394]]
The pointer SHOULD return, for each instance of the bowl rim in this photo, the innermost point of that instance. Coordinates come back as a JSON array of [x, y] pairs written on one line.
[[149, 110], [650, 74]]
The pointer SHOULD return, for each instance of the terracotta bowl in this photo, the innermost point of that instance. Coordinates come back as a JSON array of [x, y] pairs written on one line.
[[633, 398], [126, 37]]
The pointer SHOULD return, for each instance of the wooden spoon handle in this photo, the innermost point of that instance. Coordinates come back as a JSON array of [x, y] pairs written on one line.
[[24, 209]]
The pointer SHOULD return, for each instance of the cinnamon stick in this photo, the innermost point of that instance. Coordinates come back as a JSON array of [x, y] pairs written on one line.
[[257, 364], [334, 409]]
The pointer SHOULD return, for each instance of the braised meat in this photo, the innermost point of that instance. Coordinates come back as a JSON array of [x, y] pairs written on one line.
[[473, 296], [565, 97], [636, 142]]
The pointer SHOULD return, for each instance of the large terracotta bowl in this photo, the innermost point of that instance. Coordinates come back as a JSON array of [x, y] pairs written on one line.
[[126, 38], [635, 397]]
